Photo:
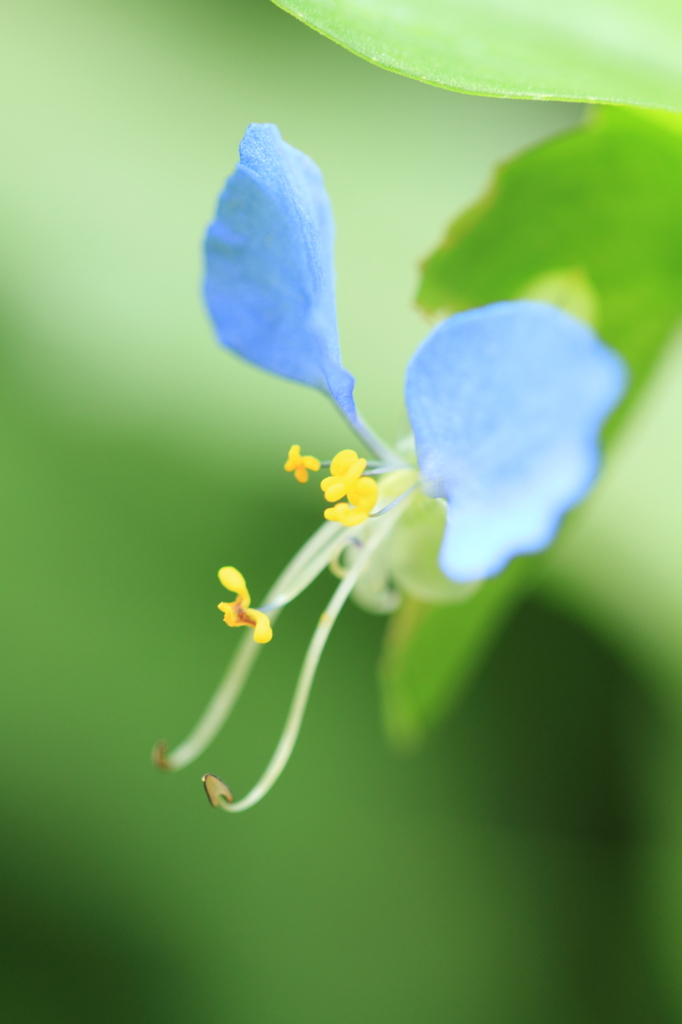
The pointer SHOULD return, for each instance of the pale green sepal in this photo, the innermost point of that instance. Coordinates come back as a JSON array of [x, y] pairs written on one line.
[[414, 546]]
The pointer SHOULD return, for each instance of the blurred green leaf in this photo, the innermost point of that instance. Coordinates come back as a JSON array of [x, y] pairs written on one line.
[[611, 51], [430, 651], [591, 221], [602, 202]]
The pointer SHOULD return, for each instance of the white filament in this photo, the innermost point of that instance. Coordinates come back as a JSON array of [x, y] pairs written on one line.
[[304, 567], [299, 702], [324, 547]]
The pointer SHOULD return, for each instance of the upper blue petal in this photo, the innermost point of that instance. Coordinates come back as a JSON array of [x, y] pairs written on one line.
[[270, 266], [506, 403]]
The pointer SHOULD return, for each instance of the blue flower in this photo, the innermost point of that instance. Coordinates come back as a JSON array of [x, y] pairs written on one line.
[[506, 404]]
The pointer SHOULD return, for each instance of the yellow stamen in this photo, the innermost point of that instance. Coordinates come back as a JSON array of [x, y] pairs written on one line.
[[300, 464], [239, 612], [362, 492], [346, 469]]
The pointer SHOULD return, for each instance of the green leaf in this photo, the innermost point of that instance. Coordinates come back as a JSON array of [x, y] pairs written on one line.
[[430, 652], [599, 208], [609, 51], [591, 221]]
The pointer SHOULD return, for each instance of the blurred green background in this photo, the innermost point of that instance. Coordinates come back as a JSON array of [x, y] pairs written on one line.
[[526, 865]]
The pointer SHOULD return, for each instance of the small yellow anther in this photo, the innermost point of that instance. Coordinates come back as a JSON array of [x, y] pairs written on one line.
[[300, 464], [239, 612], [347, 481]]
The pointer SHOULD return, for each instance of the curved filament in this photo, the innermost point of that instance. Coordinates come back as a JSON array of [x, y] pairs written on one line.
[[304, 567], [299, 702]]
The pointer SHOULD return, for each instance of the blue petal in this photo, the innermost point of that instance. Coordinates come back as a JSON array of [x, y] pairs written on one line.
[[506, 403], [270, 266]]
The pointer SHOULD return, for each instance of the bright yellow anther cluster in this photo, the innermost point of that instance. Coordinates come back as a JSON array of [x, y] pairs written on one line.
[[346, 480], [239, 612], [300, 464]]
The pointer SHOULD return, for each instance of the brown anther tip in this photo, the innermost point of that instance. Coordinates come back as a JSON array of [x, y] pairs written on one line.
[[159, 757], [215, 788]]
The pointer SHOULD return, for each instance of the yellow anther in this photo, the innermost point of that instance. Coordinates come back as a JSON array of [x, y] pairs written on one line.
[[300, 464], [233, 580], [363, 494], [346, 469], [342, 462], [239, 612]]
